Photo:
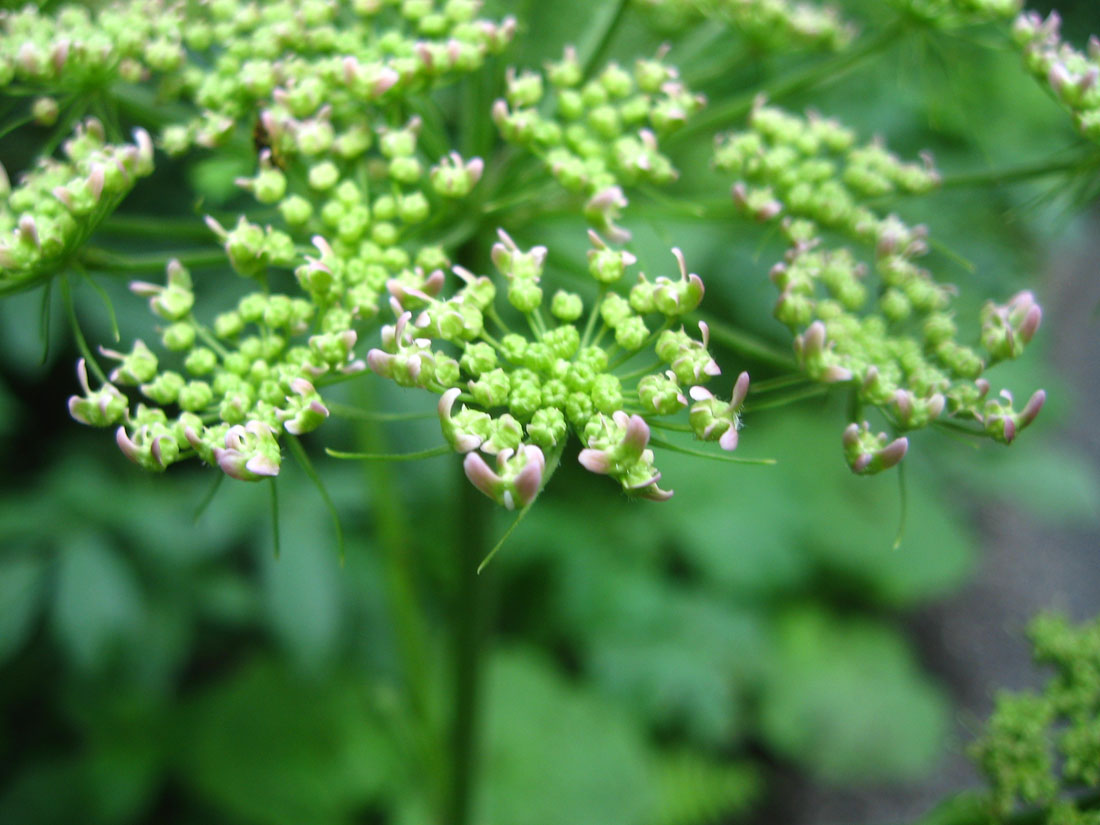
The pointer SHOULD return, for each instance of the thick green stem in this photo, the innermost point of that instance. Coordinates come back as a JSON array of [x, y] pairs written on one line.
[[469, 616], [394, 536]]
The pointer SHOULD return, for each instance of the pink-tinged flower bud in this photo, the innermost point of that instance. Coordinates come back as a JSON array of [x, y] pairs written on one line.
[[868, 453], [516, 481], [380, 363], [250, 453], [617, 447], [27, 231], [715, 420], [152, 447], [602, 210], [1031, 409], [97, 408], [304, 411]]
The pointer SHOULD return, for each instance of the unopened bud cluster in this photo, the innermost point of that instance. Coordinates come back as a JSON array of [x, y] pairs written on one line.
[[780, 25], [1072, 76], [899, 354], [517, 396], [229, 56], [59, 203], [812, 170], [953, 13], [892, 336], [226, 390], [597, 136]]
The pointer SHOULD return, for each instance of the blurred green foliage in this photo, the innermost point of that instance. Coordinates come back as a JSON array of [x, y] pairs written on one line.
[[654, 662]]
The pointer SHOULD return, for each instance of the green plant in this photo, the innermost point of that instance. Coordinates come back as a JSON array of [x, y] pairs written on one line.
[[359, 167]]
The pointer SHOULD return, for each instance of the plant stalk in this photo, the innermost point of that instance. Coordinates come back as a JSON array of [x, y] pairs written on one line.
[[470, 616]]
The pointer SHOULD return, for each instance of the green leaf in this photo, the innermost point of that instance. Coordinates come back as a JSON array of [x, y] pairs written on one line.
[[695, 790], [267, 748], [677, 657], [21, 591], [846, 700], [301, 589], [98, 602], [554, 752]]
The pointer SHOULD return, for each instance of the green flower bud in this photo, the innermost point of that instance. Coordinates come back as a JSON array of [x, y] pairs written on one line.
[[607, 265], [660, 394], [525, 295], [566, 306], [614, 310], [200, 361], [406, 170], [173, 301], [478, 359], [554, 393], [570, 104], [98, 408], [514, 347], [506, 434], [523, 90], [413, 208], [492, 388], [547, 428], [165, 388], [579, 408], [631, 333], [524, 399], [323, 176], [296, 210], [195, 396], [179, 336], [447, 371], [607, 393], [135, 367]]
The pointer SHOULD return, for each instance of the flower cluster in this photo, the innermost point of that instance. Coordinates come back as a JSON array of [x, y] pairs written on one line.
[[895, 341], [811, 169], [228, 57], [59, 203], [517, 397], [773, 24], [1071, 75], [954, 13], [74, 48], [317, 95], [597, 135], [232, 386], [1041, 749]]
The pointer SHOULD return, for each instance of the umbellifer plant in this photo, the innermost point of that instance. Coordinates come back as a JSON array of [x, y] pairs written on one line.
[[401, 175]]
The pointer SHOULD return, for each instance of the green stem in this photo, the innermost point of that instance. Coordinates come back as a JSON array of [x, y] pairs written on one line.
[[78, 334], [394, 536], [994, 177], [777, 383], [592, 316], [793, 398], [145, 227], [602, 41], [469, 642], [818, 74], [433, 452], [746, 344], [101, 260]]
